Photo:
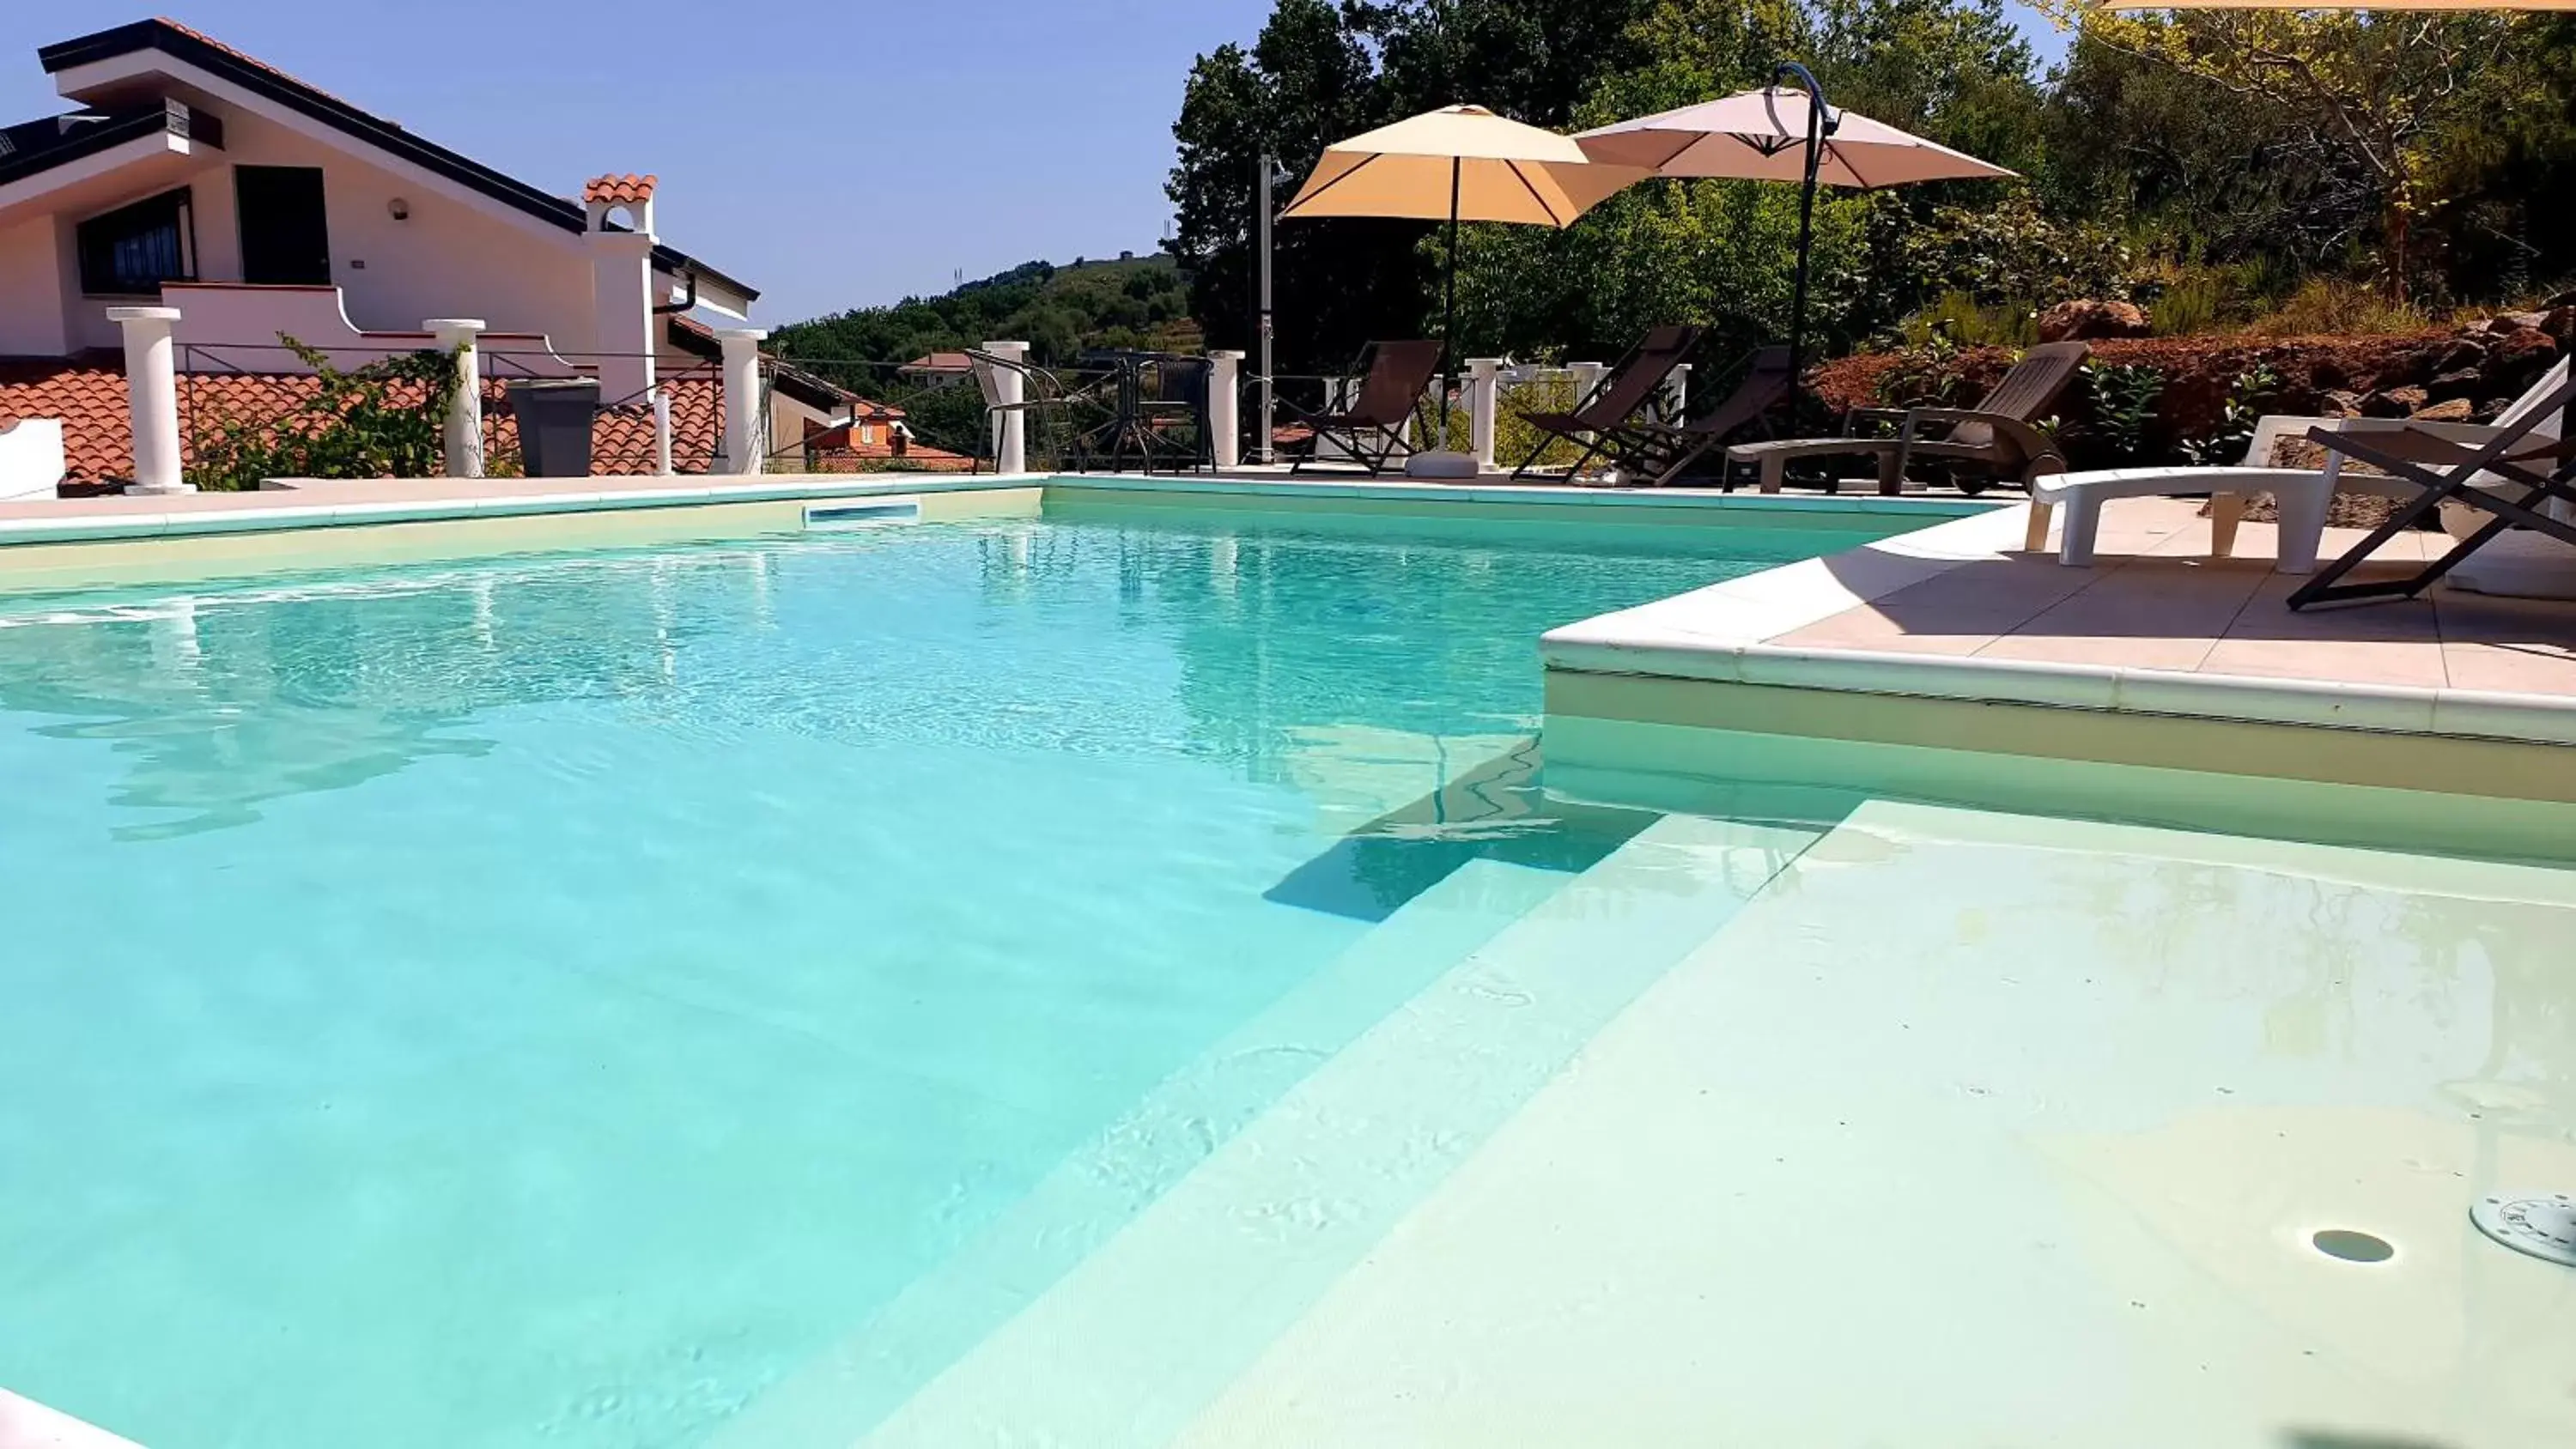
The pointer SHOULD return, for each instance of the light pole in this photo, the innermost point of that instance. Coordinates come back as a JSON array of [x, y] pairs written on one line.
[[1271, 174]]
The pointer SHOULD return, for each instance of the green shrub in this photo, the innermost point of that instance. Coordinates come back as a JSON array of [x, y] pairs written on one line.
[[384, 420], [2249, 395]]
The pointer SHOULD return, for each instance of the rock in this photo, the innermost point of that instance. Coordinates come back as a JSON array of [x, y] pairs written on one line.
[[2467, 382], [2521, 355], [2504, 322], [2091, 321], [2337, 403], [2394, 402], [2456, 410], [2560, 324], [2458, 354]]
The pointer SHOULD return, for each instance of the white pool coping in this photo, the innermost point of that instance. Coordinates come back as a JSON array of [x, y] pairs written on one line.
[[282, 506], [1721, 635]]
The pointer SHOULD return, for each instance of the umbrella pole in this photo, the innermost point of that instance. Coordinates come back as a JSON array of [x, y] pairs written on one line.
[[1449, 311], [1818, 127]]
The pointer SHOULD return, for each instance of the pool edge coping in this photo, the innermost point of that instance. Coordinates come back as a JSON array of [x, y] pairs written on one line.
[[1721, 635]]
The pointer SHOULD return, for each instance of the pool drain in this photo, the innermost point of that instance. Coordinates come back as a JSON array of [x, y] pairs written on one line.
[[2542, 1224]]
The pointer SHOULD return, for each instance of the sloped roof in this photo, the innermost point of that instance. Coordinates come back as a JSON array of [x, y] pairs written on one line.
[[268, 82]]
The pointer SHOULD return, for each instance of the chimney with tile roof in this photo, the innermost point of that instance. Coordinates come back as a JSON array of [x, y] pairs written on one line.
[[622, 279]]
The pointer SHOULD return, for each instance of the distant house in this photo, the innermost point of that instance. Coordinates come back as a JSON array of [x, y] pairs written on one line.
[[194, 176], [938, 369]]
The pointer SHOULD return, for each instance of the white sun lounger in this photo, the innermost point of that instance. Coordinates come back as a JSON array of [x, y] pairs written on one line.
[[2303, 494]]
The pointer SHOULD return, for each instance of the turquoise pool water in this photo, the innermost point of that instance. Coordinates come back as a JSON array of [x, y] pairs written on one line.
[[553, 1000]]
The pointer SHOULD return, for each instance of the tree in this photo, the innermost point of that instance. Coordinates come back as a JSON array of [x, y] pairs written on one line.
[[1319, 73], [2401, 112]]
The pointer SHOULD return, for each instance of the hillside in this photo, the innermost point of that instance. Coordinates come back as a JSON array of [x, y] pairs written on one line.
[[1129, 302]]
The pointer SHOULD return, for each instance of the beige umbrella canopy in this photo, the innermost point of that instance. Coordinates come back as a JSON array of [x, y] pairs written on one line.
[[1781, 133], [1762, 136], [1461, 163], [1458, 163]]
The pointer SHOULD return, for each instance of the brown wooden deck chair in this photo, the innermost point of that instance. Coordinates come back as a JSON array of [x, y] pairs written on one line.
[[2522, 475], [1622, 395], [1998, 436], [1371, 430], [1656, 454]]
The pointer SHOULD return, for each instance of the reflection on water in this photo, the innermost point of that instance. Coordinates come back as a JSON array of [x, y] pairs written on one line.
[[1368, 673]]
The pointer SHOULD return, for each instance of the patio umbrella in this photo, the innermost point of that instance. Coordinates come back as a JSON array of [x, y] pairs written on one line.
[[1781, 134], [1462, 163]]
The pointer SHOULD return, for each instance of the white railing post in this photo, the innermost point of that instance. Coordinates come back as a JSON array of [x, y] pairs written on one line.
[[1225, 408], [1011, 451], [746, 422], [1677, 393], [661, 432], [465, 412], [152, 398], [1587, 376], [1484, 397]]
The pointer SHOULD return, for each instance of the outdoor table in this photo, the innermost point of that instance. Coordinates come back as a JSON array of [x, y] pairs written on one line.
[[1129, 430]]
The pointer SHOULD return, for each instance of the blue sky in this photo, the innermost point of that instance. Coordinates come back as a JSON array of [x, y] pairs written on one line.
[[833, 155]]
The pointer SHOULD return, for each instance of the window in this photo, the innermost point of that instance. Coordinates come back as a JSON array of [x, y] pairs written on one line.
[[134, 249]]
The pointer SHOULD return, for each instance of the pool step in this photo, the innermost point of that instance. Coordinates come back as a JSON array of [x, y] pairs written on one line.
[[1129, 1343], [1185, 1118]]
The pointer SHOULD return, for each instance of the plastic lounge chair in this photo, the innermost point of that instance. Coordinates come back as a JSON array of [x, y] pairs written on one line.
[[1998, 435], [1598, 422], [2521, 476], [2303, 494], [1657, 453], [1371, 430]]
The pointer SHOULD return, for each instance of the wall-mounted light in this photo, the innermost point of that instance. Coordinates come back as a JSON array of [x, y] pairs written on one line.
[[400, 208]]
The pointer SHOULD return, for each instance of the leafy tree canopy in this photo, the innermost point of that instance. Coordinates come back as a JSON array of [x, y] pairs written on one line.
[[2229, 156], [1058, 311]]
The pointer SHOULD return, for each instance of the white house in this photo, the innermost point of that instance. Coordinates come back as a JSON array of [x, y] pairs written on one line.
[[190, 163], [192, 176]]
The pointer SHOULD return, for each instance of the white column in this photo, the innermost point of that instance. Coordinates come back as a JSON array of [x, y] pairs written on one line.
[[661, 432], [1011, 454], [1225, 407], [1484, 397], [465, 414], [1677, 393], [152, 397], [746, 426], [625, 327]]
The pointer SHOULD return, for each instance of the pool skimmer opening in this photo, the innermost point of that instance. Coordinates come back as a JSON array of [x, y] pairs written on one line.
[[2542, 1224]]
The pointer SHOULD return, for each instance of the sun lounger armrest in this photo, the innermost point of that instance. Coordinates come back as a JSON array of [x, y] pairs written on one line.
[[1889, 417], [2033, 443]]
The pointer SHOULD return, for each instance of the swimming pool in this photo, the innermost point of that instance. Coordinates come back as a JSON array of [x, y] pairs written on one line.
[[1121, 976], [556, 999]]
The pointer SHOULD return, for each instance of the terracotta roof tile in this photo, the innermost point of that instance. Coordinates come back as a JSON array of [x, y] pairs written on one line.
[[98, 437], [619, 190]]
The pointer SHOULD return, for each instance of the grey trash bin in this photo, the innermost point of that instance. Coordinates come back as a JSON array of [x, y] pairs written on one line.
[[554, 426]]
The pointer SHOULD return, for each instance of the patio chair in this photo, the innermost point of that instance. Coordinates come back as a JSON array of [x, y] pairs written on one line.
[[1179, 400], [1655, 454], [1598, 422], [2521, 475], [1371, 430], [1998, 436], [1041, 391]]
